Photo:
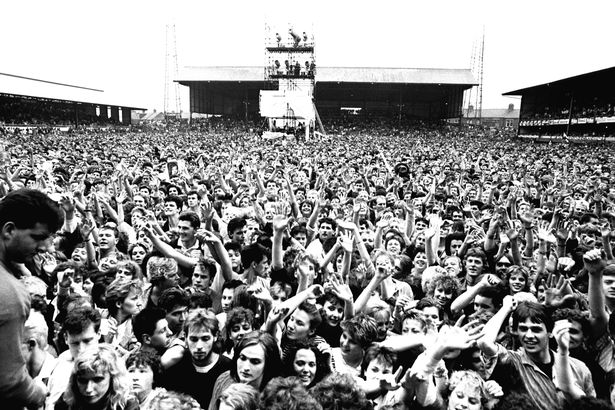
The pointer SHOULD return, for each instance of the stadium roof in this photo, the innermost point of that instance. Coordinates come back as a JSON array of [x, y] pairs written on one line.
[[382, 75], [604, 77], [17, 85]]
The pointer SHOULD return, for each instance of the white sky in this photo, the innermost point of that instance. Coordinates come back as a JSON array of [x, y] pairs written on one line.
[[119, 46]]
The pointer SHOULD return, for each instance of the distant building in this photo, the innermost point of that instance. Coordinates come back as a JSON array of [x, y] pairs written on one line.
[[579, 108], [507, 118]]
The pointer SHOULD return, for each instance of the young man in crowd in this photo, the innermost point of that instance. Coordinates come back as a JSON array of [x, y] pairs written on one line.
[[196, 372], [151, 329], [27, 219], [81, 330]]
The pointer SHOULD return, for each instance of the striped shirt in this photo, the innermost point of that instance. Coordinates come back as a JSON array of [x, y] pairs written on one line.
[[541, 388]]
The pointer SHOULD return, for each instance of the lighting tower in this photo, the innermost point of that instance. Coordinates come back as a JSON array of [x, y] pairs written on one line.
[[480, 77], [172, 101]]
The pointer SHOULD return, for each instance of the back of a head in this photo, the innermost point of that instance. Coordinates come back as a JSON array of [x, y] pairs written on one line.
[[340, 392], [287, 393]]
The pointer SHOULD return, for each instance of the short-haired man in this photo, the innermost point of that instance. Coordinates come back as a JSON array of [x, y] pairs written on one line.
[[188, 224], [151, 329], [27, 220], [196, 373], [546, 375], [172, 208], [82, 331], [236, 229], [175, 302]]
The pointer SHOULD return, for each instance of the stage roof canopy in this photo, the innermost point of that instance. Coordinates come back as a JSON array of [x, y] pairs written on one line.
[[595, 79], [337, 75]]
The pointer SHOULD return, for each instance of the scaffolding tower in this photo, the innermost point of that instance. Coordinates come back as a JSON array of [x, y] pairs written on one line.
[[290, 63], [289, 76]]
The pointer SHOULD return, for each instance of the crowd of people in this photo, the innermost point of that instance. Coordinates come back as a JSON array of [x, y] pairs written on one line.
[[389, 265]]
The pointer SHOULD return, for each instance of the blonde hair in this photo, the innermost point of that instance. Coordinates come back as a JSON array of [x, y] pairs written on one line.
[[100, 358], [240, 396], [470, 379]]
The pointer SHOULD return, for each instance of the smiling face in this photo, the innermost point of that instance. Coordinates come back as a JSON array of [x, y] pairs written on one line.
[[516, 282], [420, 260], [304, 366], [333, 313], [452, 265], [465, 396], [377, 368], [442, 296], [533, 336], [474, 266], [107, 239]]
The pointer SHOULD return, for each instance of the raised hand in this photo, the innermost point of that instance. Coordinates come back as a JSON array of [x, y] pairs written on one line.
[[511, 232], [68, 204], [493, 389], [561, 333], [558, 292], [605, 230], [277, 314], [279, 223], [459, 337], [391, 381], [593, 261], [490, 280], [86, 227], [384, 221], [208, 236], [340, 289], [207, 209], [346, 241]]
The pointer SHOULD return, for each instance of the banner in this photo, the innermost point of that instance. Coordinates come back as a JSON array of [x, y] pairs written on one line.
[[280, 104]]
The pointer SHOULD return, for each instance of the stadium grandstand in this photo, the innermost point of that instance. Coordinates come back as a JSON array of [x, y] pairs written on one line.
[[415, 93], [578, 108], [26, 101]]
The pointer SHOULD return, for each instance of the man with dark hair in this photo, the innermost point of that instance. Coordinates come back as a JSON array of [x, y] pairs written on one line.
[[172, 208], [188, 224], [547, 375], [236, 230], [81, 330], [27, 219], [151, 329], [175, 302]]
